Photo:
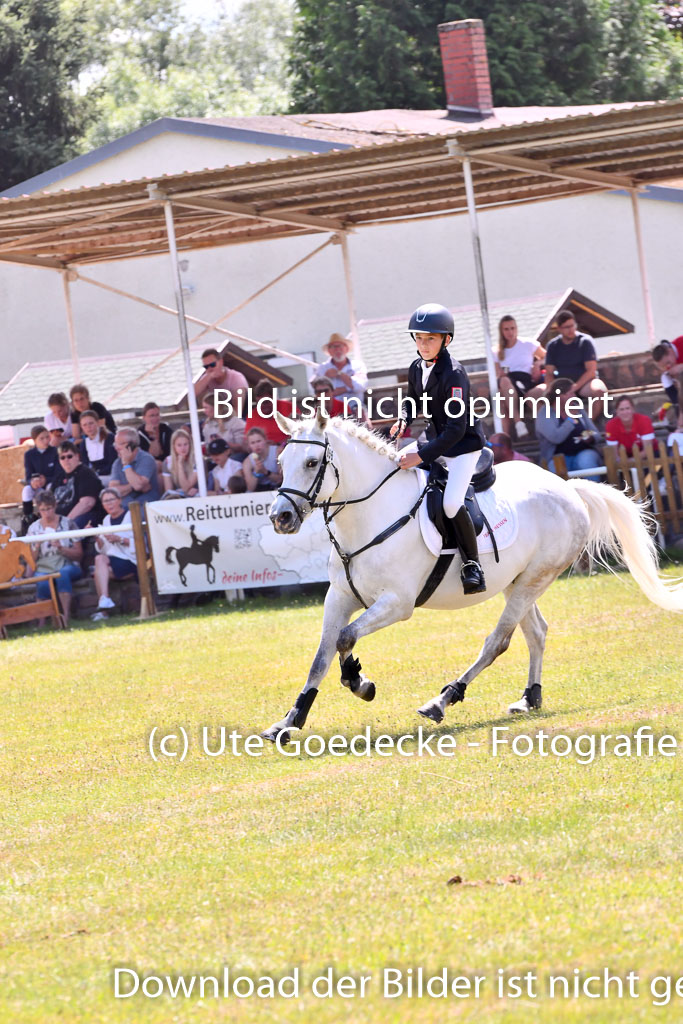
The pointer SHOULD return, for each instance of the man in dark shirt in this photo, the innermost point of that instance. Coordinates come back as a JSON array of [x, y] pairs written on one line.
[[572, 355], [76, 488]]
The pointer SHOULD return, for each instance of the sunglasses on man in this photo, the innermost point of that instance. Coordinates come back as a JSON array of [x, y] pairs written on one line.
[[209, 366]]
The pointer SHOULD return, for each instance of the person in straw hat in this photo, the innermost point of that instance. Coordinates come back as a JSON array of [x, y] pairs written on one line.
[[348, 375]]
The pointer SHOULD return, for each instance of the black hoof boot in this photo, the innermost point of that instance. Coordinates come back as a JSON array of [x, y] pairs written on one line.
[[472, 577], [534, 696]]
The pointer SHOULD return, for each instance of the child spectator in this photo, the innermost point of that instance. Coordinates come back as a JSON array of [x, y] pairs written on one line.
[[180, 470], [668, 357], [59, 416], [97, 445], [629, 427], [237, 485], [261, 470], [224, 467], [42, 458], [36, 484], [116, 558], [80, 402], [230, 428]]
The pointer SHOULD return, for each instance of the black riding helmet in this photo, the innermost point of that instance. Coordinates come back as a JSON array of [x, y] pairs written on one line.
[[432, 319]]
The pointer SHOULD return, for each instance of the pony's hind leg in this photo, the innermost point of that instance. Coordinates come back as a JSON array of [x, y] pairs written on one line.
[[521, 597], [339, 608], [534, 627]]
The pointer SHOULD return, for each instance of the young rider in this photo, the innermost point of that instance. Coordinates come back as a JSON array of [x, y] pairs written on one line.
[[451, 436]]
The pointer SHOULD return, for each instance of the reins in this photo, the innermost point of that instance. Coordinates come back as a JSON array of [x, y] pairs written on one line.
[[312, 493]]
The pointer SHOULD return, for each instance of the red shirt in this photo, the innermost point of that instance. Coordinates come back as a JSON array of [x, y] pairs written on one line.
[[641, 428], [678, 345], [268, 424]]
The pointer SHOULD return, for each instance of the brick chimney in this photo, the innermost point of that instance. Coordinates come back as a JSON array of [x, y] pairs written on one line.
[[466, 68]]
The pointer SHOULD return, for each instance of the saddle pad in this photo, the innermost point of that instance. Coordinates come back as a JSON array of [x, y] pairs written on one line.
[[498, 511]]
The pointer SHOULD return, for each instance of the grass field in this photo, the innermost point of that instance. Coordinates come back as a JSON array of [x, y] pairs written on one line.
[[274, 863]]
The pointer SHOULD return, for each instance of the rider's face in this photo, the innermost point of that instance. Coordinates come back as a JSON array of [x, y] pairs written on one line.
[[428, 345]]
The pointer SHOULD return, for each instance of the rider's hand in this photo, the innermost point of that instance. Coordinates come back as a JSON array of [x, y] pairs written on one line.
[[398, 429], [409, 460]]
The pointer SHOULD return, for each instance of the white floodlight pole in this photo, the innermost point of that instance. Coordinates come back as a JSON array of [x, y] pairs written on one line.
[[481, 284], [156, 193], [73, 346], [643, 271]]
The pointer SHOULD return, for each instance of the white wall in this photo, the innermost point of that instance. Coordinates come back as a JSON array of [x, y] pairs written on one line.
[[170, 153]]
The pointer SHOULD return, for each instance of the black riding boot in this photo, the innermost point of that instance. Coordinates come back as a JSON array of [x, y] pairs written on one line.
[[472, 575]]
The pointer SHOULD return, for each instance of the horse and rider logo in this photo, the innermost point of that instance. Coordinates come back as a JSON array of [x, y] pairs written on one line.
[[200, 552]]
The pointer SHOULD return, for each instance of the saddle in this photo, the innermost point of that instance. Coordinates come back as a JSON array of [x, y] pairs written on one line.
[[484, 476]]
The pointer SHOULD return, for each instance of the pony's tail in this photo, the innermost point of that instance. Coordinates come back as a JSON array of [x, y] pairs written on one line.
[[169, 552], [617, 528]]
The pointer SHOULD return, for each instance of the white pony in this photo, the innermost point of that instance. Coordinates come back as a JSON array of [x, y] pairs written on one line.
[[350, 473]]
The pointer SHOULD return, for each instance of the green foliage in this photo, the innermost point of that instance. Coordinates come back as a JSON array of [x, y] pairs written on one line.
[[43, 49], [158, 65], [362, 54]]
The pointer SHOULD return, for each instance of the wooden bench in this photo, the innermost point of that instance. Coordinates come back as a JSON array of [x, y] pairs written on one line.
[[33, 609]]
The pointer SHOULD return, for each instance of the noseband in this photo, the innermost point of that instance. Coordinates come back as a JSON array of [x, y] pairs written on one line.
[[310, 496]]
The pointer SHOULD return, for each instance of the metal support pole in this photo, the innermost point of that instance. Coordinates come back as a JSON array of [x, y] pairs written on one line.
[[73, 347], [353, 320], [182, 327], [481, 285], [647, 302]]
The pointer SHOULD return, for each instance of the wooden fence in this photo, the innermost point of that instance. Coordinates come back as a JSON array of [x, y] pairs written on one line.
[[656, 478]]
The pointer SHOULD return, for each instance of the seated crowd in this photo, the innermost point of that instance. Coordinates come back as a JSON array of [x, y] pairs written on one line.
[[82, 470]]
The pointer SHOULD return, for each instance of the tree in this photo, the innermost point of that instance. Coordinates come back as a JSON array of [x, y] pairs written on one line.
[[159, 65], [43, 49], [362, 54]]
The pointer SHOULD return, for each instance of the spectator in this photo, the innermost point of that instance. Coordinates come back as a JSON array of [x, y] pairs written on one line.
[[80, 402], [134, 474], [56, 437], [261, 470], [180, 470], [668, 357], [503, 450], [36, 484], [629, 427], [264, 389], [217, 375], [224, 469], [53, 555], [572, 436], [571, 355], [42, 458], [324, 386], [116, 558], [518, 369], [97, 445], [348, 375], [59, 415], [76, 488], [237, 485], [230, 428], [155, 436]]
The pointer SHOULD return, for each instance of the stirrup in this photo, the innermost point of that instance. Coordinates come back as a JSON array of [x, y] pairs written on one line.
[[472, 576]]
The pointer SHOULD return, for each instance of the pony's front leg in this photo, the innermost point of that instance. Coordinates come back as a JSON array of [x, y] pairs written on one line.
[[386, 610], [339, 608]]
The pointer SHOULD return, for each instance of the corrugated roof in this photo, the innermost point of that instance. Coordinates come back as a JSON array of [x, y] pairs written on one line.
[[416, 177]]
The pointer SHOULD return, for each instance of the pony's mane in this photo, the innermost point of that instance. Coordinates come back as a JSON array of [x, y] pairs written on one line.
[[370, 438]]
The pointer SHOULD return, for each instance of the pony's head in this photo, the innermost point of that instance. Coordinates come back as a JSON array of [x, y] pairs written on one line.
[[309, 475]]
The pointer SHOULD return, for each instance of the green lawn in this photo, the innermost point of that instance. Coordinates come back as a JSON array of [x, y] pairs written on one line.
[[274, 863]]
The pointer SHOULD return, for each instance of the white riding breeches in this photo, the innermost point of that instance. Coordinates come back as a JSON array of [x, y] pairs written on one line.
[[460, 470]]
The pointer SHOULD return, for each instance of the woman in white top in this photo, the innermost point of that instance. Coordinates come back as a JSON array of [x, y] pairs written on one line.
[[518, 369], [180, 471]]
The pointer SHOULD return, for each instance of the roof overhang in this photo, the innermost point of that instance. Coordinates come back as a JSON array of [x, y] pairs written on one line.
[[338, 191]]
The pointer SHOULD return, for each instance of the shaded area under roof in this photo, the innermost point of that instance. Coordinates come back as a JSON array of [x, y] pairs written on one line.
[[387, 347], [336, 191]]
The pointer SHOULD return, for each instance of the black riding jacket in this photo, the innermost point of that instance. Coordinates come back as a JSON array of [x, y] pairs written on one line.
[[448, 435]]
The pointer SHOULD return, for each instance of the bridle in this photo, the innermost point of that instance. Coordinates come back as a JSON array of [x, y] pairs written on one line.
[[310, 497]]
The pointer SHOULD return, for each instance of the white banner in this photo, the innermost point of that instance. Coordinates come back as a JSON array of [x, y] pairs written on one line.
[[228, 542]]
